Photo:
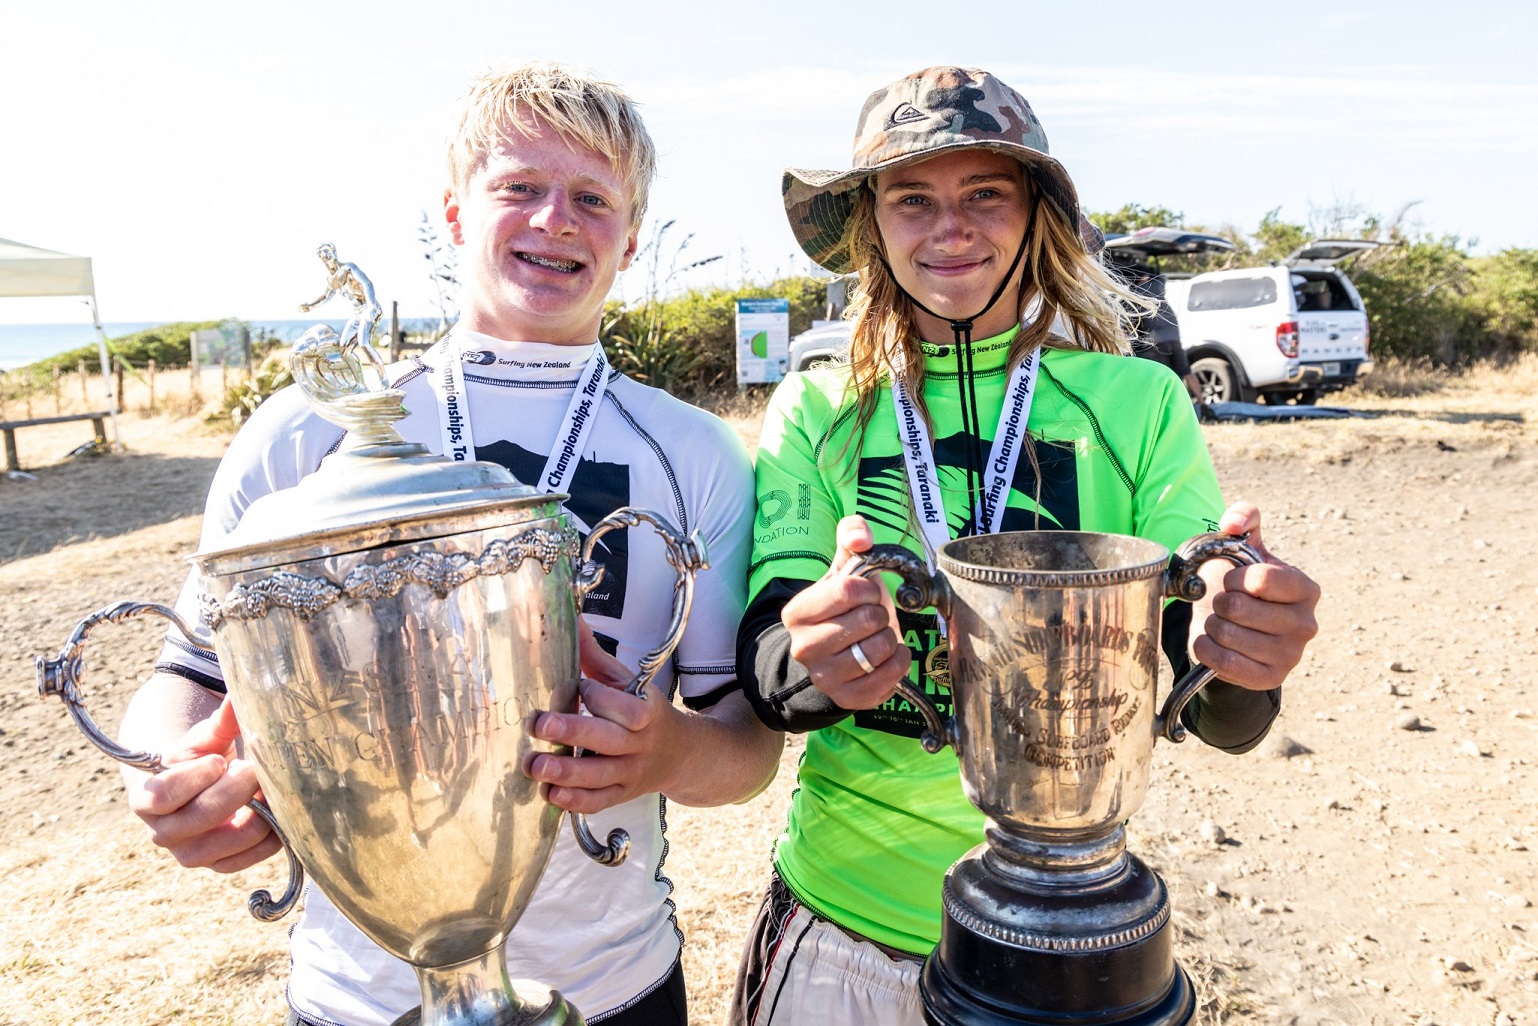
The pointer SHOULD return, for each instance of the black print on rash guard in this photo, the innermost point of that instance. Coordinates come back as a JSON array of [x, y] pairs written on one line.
[[882, 487], [597, 489], [882, 498]]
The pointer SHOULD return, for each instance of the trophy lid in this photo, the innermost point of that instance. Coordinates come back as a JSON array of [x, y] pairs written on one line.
[[373, 495]]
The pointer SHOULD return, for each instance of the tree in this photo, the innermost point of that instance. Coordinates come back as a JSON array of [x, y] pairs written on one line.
[[1416, 290], [1133, 216], [1505, 296], [1275, 238]]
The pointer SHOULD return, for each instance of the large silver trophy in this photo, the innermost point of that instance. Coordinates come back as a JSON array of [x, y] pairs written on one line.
[[389, 629], [1053, 662]]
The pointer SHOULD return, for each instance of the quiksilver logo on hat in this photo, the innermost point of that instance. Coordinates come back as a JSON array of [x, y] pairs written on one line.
[[905, 114]]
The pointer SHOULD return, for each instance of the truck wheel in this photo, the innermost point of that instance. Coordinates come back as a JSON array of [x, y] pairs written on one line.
[[1219, 381]]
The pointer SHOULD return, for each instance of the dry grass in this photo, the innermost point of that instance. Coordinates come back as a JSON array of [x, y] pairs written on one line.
[[1218, 999], [99, 926], [1403, 379], [164, 393], [744, 410], [1408, 405], [113, 934]]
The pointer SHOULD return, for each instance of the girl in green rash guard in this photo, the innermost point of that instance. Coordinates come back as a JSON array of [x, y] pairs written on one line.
[[985, 391]]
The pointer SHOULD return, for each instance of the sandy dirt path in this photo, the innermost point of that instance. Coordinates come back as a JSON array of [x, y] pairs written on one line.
[[1372, 863]]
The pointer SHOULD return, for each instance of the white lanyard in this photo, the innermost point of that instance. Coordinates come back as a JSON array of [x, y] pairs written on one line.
[[448, 383], [1004, 455], [999, 472], [577, 425], [570, 440]]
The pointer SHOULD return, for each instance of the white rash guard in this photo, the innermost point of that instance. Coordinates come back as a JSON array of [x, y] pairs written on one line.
[[605, 937]]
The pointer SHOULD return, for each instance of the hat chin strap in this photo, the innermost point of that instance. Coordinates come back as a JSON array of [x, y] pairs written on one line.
[[961, 329]]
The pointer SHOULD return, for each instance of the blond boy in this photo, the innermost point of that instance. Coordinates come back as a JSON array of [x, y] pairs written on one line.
[[549, 172]]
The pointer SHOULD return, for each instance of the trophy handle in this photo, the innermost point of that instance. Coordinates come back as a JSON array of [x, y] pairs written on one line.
[[688, 557], [61, 676], [920, 590], [1181, 581]]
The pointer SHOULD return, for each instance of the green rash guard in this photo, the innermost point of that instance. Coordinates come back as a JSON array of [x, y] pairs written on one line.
[[876, 821]]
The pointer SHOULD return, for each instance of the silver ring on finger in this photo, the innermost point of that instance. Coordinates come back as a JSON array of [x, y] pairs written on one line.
[[861, 658]]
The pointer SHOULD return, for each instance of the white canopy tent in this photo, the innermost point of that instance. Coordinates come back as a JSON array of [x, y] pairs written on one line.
[[30, 271]]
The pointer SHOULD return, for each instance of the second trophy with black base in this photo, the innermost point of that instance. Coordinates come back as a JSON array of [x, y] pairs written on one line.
[[1054, 648]]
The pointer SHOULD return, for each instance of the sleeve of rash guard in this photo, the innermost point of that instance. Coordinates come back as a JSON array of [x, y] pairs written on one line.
[[722, 482], [1227, 717], [778, 688], [1178, 496], [794, 545]]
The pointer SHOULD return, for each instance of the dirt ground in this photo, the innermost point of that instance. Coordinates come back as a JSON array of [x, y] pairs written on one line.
[[1372, 863]]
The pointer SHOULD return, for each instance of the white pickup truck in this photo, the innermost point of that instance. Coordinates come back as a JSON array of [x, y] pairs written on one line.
[[823, 341], [1288, 332]]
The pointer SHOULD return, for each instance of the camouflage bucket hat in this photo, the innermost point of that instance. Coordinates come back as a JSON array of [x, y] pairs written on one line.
[[926, 114]]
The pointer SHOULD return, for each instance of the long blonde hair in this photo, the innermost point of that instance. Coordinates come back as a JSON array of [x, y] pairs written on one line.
[[1097, 308]]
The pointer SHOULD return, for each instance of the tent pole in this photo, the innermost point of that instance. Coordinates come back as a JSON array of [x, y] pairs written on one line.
[[113, 400]]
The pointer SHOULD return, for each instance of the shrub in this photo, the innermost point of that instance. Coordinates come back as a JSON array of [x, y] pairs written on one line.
[[242, 398], [1416, 293], [1504, 295], [687, 343], [1396, 378], [169, 345]]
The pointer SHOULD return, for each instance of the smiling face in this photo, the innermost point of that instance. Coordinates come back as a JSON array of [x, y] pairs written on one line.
[[545, 226], [950, 228]]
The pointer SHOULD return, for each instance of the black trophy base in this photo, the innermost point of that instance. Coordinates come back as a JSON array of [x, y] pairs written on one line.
[[1015, 950], [947, 1005]]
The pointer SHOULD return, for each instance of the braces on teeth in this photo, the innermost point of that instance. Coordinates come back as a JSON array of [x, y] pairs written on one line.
[[559, 265]]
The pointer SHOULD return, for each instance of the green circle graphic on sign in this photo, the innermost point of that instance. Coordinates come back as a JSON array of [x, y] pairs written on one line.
[[760, 344]]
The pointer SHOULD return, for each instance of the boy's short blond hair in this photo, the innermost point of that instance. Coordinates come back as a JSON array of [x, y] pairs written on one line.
[[584, 109]]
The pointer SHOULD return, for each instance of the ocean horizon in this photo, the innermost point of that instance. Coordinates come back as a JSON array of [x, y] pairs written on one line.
[[22, 344]]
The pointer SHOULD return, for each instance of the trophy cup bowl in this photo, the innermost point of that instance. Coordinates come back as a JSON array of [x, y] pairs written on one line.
[[1053, 657], [388, 708], [389, 629]]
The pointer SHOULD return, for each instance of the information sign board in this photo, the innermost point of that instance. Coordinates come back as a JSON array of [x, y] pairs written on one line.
[[763, 340]]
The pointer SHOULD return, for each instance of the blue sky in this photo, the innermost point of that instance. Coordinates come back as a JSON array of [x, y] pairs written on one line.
[[199, 152]]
